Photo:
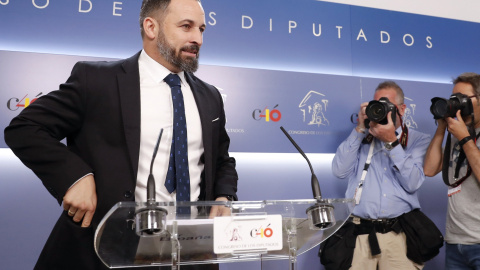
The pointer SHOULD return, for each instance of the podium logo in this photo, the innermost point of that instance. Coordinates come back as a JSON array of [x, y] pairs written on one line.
[[182, 237], [261, 232], [314, 107], [235, 235]]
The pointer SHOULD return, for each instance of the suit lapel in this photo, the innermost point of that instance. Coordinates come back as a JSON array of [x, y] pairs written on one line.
[[201, 99], [129, 92]]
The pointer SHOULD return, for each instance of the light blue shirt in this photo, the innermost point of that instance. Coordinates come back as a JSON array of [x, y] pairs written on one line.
[[393, 178]]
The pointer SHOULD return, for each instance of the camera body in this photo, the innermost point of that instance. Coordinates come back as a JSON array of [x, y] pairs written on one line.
[[443, 108], [377, 111]]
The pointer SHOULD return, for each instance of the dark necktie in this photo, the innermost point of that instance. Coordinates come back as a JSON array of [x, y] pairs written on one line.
[[178, 177]]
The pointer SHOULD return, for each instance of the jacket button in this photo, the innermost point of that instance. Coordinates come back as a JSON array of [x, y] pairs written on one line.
[[128, 194]]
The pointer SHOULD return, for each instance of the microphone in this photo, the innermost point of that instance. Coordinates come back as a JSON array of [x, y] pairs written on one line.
[[317, 194], [321, 213], [151, 220], [151, 193]]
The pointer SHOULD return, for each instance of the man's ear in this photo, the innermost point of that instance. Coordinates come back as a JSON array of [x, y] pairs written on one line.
[[150, 28], [402, 109]]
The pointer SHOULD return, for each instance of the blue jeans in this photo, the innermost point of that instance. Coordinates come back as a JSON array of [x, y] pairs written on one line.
[[462, 257]]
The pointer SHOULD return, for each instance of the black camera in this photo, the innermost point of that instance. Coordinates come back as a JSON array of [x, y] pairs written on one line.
[[442, 108], [377, 111]]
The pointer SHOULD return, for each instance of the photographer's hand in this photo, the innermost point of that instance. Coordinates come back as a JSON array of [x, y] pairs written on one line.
[[457, 127], [385, 133], [441, 125], [361, 118]]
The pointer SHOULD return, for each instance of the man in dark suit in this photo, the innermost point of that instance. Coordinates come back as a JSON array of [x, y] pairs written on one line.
[[105, 112]]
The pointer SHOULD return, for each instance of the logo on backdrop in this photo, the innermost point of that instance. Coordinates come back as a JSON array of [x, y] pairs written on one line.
[[314, 108], [409, 113], [267, 114], [15, 103]]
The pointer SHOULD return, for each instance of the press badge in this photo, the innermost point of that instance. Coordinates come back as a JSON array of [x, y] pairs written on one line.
[[454, 190]]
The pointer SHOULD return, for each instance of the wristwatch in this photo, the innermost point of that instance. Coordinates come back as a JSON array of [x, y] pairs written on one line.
[[390, 145]]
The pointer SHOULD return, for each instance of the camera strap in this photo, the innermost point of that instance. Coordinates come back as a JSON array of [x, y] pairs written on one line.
[[404, 136], [460, 160]]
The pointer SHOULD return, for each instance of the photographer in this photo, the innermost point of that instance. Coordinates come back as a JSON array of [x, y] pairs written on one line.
[[384, 168], [461, 170]]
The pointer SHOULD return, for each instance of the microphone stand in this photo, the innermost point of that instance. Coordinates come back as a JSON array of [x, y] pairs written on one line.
[[151, 220], [321, 214]]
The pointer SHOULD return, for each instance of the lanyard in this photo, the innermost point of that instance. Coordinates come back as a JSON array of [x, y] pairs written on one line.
[[358, 191]]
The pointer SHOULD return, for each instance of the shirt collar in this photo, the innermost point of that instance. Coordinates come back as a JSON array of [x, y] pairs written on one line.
[[399, 131], [156, 70]]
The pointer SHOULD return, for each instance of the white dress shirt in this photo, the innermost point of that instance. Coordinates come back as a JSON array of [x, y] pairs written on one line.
[[156, 113]]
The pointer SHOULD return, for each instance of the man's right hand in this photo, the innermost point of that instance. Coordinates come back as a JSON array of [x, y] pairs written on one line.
[[361, 117], [80, 201], [457, 127]]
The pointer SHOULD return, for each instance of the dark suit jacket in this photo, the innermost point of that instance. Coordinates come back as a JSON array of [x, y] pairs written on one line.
[[98, 111]]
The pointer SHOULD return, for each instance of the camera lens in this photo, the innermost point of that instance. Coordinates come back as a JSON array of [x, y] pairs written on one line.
[[376, 111], [453, 105], [439, 108]]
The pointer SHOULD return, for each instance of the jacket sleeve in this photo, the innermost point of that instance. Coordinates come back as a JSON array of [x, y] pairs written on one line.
[[36, 135], [409, 164], [345, 161], [226, 174]]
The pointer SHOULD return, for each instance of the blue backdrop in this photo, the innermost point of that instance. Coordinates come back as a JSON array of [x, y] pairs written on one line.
[[305, 65]]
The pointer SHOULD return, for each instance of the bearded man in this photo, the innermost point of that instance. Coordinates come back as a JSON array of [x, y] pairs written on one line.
[[111, 114]]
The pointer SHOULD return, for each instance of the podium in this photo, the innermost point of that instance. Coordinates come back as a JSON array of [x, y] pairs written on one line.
[[136, 234]]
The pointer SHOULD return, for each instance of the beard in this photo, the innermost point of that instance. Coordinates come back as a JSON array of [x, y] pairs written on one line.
[[188, 64]]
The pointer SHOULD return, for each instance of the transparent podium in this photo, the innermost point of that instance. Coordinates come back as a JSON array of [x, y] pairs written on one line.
[[182, 233]]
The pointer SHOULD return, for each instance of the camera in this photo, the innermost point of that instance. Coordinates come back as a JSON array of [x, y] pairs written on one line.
[[377, 111], [442, 108]]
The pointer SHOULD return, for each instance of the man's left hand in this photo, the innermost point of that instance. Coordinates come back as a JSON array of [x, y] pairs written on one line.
[[385, 133], [220, 210]]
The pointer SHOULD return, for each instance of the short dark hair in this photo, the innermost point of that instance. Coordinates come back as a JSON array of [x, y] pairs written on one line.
[[392, 85], [471, 78], [151, 6]]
